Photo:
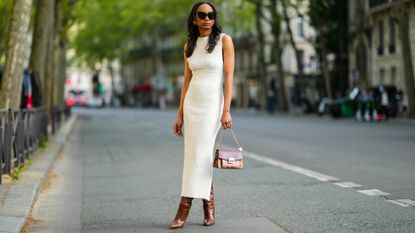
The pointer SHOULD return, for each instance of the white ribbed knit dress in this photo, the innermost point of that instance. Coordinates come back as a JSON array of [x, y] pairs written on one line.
[[202, 109]]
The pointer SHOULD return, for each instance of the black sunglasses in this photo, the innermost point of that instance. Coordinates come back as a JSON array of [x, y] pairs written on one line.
[[210, 15]]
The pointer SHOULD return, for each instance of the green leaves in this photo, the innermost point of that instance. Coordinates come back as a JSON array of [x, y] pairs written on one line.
[[104, 29], [328, 17], [5, 13], [98, 30], [109, 29]]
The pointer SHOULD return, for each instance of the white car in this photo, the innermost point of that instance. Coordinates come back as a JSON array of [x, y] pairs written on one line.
[[95, 102]]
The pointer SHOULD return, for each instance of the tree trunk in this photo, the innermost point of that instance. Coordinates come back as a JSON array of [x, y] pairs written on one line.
[[17, 45], [62, 75], [261, 56], [49, 62], [341, 62], [296, 51], [406, 56], [56, 53], [66, 18], [111, 70], [39, 44], [276, 31], [326, 72], [5, 14]]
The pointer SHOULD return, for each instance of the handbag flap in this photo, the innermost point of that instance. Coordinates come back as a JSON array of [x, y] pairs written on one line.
[[230, 153]]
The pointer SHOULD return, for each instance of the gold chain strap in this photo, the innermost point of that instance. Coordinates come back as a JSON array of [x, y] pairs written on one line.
[[234, 138]]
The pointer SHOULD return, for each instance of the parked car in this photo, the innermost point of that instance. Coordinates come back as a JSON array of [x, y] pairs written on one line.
[[96, 102], [27, 94], [76, 98], [31, 95]]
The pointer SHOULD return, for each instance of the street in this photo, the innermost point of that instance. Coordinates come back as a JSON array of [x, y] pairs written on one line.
[[120, 171]]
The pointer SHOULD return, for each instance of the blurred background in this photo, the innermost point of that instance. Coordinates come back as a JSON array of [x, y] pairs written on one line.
[[342, 58], [118, 66]]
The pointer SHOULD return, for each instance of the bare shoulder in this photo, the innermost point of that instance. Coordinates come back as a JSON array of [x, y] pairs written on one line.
[[226, 39]]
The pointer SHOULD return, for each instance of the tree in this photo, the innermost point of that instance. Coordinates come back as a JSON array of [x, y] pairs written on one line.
[[401, 13], [361, 28], [5, 11], [66, 19], [48, 54], [298, 59], [261, 53], [277, 45], [109, 30], [17, 44], [275, 23], [329, 18], [49, 76], [239, 16], [40, 41]]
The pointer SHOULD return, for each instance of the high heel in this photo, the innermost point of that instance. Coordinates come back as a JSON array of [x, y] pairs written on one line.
[[182, 213], [209, 210]]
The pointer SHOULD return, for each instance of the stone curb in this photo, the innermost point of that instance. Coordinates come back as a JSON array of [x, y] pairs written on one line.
[[23, 193]]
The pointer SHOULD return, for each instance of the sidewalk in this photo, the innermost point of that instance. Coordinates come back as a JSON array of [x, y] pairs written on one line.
[[17, 197]]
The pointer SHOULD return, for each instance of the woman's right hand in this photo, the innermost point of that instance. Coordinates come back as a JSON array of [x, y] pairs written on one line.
[[177, 127]]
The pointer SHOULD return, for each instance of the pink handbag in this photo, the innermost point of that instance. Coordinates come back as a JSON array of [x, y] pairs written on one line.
[[228, 158]]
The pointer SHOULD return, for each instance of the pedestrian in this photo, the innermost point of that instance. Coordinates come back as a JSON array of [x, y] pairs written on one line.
[[371, 112], [204, 107], [361, 106], [272, 95], [252, 96], [383, 104]]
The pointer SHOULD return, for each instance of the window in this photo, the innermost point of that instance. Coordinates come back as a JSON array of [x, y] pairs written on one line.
[[392, 35], [393, 76], [301, 55], [300, 26], [313, 62], [380, 46], [382, 76]]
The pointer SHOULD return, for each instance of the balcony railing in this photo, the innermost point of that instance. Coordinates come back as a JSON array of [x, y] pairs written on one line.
[[375, 3]]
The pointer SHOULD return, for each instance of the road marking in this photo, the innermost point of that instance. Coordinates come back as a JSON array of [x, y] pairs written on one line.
[[407, 201], [373, 192], [290, 167], [398, 203], [348, 184], [324, 177]]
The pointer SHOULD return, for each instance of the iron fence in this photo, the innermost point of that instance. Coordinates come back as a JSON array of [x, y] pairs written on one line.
[[20, 133]]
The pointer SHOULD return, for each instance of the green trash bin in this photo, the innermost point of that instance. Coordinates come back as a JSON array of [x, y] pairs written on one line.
[[346, 107]]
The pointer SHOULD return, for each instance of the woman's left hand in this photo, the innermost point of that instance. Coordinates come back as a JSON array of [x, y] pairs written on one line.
[[226, 120]]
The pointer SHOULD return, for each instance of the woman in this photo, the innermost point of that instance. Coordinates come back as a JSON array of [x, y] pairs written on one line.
[[204, 107]]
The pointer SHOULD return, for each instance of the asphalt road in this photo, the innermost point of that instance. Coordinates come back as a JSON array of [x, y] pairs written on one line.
[[122, 173]]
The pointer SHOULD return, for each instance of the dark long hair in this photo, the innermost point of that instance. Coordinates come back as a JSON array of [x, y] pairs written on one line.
[[193, 31]]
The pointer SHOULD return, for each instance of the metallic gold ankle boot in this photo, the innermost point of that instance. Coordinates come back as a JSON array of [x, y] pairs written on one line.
[[182, 213], [209, 210]]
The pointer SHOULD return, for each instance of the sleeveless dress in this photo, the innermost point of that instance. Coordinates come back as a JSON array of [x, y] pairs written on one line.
[[202, 111]]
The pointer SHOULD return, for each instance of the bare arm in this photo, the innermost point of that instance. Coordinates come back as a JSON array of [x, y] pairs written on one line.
[[228, 67], [187, 78], [177, 127]]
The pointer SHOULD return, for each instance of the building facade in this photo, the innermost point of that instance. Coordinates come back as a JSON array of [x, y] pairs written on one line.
[[375, 51], [161, 62], [247, 81]]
